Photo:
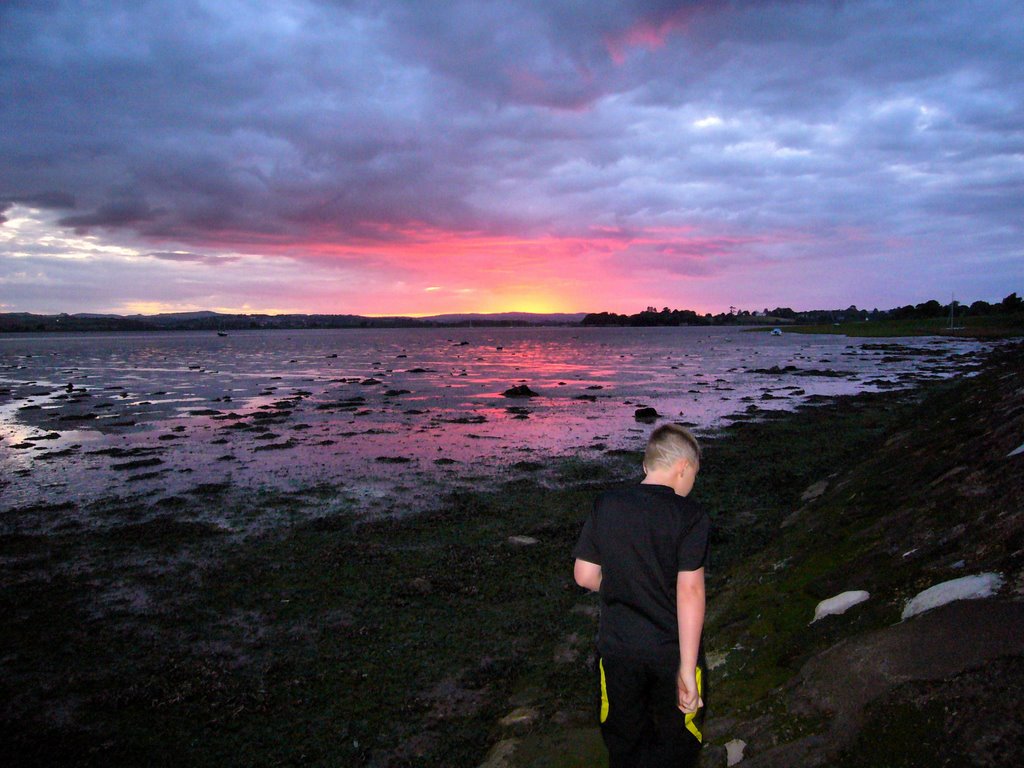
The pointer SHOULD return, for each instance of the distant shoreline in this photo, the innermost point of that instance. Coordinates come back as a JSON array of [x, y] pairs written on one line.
[[980, 320], [23, 322]]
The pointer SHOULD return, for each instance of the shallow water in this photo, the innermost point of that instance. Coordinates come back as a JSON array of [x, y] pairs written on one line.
[[83, 417]]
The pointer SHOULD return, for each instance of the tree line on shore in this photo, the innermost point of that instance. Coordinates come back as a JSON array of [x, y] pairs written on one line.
[[20, 322], [785, 315]]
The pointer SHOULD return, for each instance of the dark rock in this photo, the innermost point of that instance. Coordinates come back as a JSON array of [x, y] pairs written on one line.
[[275, 446], [77, 417], [474, 419], [520, 390], [646, 414]]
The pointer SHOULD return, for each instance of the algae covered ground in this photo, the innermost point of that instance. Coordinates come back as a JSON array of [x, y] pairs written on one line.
[[454, 634]]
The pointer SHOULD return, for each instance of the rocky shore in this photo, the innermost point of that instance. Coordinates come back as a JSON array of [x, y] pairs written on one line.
[[456, 637], [926, 501]]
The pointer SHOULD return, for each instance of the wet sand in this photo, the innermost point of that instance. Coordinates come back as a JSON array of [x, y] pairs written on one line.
[[386, 414]]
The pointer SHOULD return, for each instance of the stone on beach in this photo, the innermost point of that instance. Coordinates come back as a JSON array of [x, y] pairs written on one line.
[[520, 390], [519, 717], [839, 604], [734, 751], [521, 541], [501, 754], [965, 588], [646, 414], [814, 491]]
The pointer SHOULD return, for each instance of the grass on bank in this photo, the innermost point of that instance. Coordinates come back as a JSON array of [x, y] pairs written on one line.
[[981, 327]]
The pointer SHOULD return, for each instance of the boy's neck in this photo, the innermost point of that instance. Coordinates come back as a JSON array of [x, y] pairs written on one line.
[[666, 481], [679, 477]]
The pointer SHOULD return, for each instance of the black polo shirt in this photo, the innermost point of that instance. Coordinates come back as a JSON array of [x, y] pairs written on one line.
[[642, 536]]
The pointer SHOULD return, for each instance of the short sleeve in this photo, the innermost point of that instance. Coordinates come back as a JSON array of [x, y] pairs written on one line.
[[586, 546], [692, 552]]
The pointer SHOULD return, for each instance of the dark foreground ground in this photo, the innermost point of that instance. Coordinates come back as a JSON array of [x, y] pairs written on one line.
[[456, 637]]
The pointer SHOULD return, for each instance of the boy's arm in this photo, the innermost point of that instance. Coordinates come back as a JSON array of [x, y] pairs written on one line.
[[690, 614], [587, 575]]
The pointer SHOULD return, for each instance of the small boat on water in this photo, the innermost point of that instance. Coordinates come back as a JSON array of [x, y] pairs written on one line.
[[776, 332], [222, 333]]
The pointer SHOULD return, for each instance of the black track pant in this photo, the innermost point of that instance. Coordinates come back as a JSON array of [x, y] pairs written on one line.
[[641, 723]]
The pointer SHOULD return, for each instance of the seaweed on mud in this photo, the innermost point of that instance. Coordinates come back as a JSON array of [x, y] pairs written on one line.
[[138, 464]]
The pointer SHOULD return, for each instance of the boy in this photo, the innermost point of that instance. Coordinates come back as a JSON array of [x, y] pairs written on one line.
[[644, 548]]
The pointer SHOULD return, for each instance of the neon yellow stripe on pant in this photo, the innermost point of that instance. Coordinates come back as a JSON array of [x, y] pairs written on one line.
[[604, 693], [691, 725]]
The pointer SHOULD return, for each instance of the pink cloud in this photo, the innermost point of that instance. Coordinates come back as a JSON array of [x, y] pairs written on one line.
[[648, 33]]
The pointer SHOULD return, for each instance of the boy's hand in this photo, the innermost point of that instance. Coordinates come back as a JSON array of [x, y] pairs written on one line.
[[689, 698]]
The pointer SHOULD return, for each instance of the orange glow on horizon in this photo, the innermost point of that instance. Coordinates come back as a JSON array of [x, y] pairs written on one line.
[[418, 270]]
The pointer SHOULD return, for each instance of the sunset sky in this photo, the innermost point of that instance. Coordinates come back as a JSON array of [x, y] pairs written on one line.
[[386, 157]]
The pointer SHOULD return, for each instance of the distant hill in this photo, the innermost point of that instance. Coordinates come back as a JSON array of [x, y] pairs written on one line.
[[22, 322]]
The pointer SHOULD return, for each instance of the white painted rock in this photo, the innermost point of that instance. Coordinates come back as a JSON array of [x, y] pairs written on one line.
[[734, 751], [839, 604], [964, 588]]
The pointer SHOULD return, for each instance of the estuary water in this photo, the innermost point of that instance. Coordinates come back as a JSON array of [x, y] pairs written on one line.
[[390, 415]]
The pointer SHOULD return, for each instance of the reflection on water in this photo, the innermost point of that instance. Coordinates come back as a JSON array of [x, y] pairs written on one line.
[[87, 415]]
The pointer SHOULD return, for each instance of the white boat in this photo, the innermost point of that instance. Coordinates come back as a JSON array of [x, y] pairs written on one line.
[[776, 331]]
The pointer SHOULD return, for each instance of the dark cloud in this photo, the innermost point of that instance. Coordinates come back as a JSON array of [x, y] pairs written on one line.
[[51, 200], [112, 214], [194, 258]]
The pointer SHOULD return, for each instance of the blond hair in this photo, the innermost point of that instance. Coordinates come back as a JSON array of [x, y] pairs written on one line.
[[668, 444]]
